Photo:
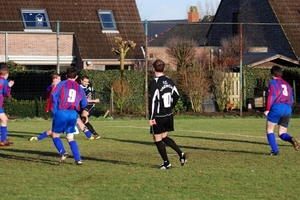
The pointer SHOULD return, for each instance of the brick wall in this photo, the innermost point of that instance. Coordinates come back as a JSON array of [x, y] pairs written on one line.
[[35, 44]]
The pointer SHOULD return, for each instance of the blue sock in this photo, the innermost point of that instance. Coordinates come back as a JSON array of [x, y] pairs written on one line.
[[3, 133], [285, 137], [88, 133], [75, 150], [59, 145], [272, 142], [42, 136]]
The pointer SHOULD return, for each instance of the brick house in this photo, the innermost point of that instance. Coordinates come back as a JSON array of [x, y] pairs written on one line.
[[44, 34], [271, 24]]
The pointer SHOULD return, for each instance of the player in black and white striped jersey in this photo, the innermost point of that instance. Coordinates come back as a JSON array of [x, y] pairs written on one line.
[[163, 96]]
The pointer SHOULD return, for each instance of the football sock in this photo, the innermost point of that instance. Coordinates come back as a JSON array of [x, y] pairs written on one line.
[[272, 142], [285, 137], [59, 145], [42, 136], [87, 132], [75, 150], [90, 127], [162, 151], [171, 143], [3, 133]]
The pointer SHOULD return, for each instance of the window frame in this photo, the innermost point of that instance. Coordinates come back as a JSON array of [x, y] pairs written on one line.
[[42, 12], [112, 21]]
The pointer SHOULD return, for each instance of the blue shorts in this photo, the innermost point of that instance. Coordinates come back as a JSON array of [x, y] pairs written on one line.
[[64, 121], [1, 110], [280, 114]]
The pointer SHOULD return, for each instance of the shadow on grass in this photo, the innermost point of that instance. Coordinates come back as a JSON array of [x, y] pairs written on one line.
[[200, 148], [51, 154], [22, 134], [227, 140]]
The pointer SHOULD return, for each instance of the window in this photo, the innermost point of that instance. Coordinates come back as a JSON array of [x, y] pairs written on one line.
[[107, 20], [35, 19]]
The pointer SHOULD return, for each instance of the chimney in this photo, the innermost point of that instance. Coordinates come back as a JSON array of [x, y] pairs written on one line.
[[193, 15]]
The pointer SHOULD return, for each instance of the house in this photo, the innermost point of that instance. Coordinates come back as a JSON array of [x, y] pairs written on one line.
[[194, 29], [273, 24], [45, 34]]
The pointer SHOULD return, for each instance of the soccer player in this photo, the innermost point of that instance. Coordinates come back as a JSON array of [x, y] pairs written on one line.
[[5, 88], [55, 80], [163, 96], [87, 111], [66, 100], [279, 110]]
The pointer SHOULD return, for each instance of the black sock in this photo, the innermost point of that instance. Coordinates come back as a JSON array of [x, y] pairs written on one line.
[[162, 151], [90, 127], [171, 143]]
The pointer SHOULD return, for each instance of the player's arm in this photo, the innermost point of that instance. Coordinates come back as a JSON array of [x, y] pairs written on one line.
[[7, 88], [271, 97]]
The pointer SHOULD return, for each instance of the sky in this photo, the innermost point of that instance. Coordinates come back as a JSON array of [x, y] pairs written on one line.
[[174, 9]]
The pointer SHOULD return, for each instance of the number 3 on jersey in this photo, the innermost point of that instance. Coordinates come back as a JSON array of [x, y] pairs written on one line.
[[72, 95], [284, 90]]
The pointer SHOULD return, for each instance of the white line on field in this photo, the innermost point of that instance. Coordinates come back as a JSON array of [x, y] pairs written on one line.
[[198, 131]]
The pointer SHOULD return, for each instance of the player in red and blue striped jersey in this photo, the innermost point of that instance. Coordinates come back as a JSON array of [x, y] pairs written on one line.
[[279, 110], [5, 88], [66, 100]]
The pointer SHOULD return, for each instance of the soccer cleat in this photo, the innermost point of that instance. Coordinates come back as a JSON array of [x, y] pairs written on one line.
[[6, 143], [63, 157], [91, 138], [33, 138], [273, 154], [79, 162], [163, 166], [183, 159], [295, 143], [96, 136]]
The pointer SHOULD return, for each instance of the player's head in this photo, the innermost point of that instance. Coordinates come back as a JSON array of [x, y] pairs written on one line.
[[159, 65], [72, 73], [85, 81], [4, 71], [55, 78], [276, 71]]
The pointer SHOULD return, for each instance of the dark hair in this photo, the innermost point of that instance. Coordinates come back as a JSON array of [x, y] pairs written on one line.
[[55, 75], [71, 72], [4, 70], [276, 71], [84, 77], [159, 65]]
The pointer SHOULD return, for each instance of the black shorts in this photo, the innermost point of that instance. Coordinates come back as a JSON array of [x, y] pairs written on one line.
[[163, 124], [89, 109]]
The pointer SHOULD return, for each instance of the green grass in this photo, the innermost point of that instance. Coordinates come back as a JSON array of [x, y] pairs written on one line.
[[227, 160]]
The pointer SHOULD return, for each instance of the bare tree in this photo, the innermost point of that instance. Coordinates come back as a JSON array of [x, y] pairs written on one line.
[[182, 51], [192, 70], [122, 49]]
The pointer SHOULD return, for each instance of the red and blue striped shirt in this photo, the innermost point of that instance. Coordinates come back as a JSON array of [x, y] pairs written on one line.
[[68, 95], [279, 91], [4, 90]]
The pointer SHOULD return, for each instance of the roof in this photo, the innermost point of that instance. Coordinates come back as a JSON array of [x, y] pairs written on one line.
[[252, 59], [155, 28], [81, 18], [261, 26], [288, 11], [192, 31]]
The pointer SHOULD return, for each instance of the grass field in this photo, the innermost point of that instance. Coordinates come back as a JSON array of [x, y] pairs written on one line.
[[228, 159]]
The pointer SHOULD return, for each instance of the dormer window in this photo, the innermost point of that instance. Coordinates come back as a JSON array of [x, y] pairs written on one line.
[[108, 22], [35, 19]]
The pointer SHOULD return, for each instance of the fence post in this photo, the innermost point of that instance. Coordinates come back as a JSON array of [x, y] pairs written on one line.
[[57, 42]]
